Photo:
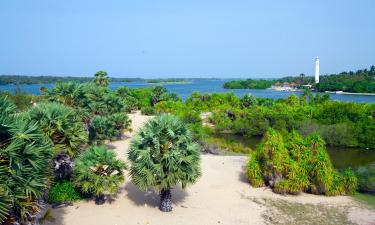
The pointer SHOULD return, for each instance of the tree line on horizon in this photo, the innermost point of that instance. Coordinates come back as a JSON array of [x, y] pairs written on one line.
[[360, 81], [23, 79]]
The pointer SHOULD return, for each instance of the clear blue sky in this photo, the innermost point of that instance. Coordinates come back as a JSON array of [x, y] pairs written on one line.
[[194, 38]]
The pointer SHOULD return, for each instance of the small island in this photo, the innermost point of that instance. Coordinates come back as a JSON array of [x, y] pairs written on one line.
[[168, 81]]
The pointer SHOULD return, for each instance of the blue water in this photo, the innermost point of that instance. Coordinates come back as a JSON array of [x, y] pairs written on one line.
[[203, 86]]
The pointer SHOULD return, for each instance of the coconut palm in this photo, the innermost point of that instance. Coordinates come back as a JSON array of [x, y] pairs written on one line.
[[97, 171], [101, 79], [25, 158], [163, 155]]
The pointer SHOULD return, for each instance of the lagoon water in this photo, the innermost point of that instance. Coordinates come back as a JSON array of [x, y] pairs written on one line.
[[203, 86]]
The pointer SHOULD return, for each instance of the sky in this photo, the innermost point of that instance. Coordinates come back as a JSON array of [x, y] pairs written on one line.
[[195, 38]]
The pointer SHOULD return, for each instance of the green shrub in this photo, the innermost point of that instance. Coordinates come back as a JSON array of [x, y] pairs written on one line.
[[366, 178], [101, 129], [248, 100], [292, 164], [63, 191], [97, 171], [148, 110], [253, 171]]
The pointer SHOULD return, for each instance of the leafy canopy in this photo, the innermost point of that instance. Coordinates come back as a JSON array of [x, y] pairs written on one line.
[[163, 154]]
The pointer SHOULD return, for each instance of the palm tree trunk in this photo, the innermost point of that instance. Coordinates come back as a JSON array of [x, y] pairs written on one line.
[[165, 200], [99, 200]]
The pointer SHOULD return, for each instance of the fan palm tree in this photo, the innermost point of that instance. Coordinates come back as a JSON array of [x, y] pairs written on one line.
[[25, 158], [66, 93], [97, 171], [61, 124], [101, 79], [163, 155]]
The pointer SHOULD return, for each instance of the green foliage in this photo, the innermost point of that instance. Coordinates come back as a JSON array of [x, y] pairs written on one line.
[[108, 127], [248, 84], [61, 124], [253, 171], [293, 164], [101, 110], [361, 81], [163, 154], [339, 135], [20, 99], [66, 93], [63, 191], [17, 79], [158, 94], [208, 102], [248, 100], [97, 171], [366, 178], [148, 110], [25, 156], [101, 78]]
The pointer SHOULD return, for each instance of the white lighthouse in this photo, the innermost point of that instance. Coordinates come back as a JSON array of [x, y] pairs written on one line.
[[317, 70]]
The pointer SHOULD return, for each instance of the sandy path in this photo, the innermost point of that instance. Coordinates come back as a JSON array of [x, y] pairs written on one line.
[[221, 196]]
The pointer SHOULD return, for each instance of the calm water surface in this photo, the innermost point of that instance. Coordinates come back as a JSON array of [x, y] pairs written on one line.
[[203, 86]]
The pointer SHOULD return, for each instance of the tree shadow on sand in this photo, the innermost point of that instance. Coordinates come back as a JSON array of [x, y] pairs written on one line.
[[151, 197]]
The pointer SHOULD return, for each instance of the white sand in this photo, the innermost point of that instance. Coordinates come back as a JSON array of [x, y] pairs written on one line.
[[221, 196]]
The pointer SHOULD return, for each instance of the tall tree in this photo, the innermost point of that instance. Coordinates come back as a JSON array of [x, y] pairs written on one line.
[[101, 78], [163, 155]]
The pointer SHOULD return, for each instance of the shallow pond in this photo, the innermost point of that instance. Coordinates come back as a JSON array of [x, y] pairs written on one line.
[[340, 157]]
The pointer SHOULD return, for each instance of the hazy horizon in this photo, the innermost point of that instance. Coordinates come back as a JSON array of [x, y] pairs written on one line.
[[195, 39]]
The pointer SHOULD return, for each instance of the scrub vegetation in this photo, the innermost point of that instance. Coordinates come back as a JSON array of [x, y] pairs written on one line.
[[51, 146]]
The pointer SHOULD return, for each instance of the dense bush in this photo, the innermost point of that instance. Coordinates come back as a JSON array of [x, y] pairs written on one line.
[[294, 164], [366, 178], [248, 100], [148, 110], [25, 161], [63, 191], [98, 172]]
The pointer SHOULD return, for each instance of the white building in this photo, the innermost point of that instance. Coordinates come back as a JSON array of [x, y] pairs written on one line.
[[317, 70]]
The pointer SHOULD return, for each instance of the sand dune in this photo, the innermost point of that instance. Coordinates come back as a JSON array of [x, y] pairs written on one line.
[[221, 196]]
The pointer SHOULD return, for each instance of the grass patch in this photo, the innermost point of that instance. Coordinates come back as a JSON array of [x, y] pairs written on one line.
[[284, 212], [63, 191], [368, 199], [229, 145]]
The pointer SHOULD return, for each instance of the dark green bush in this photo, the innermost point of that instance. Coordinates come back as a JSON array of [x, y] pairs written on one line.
[[63, 191], [366, 178]]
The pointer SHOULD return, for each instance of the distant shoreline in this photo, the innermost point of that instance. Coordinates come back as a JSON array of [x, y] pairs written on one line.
[[348, 93], [171, 82]]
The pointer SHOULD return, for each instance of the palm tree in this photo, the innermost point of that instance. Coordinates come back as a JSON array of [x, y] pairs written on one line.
[[65, 129], [66, 93], [163, 155], [101, 78], [25, 159], [61, 124], [97, 171]]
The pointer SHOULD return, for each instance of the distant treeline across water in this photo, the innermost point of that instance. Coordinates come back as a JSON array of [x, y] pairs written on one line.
[[22, 79]]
